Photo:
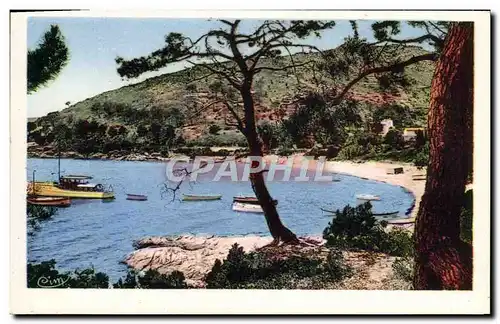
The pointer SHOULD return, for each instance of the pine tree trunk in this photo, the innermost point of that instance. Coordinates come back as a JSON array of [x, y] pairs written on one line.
[[443, 261], [279, 231]]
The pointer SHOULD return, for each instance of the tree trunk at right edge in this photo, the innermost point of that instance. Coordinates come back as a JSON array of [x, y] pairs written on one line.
[[443, 261]]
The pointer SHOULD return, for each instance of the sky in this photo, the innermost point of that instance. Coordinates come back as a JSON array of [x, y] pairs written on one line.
[[94, 43]]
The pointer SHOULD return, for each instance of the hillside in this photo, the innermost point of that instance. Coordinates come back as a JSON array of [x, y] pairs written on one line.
[[170, 97]]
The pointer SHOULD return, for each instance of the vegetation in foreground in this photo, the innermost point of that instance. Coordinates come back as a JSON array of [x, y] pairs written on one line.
[[316, 268], [36, 215], [351, 229], [356, 228]]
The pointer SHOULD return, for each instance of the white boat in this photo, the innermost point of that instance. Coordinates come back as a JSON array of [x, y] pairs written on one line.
[[247, 208], [367, 197]]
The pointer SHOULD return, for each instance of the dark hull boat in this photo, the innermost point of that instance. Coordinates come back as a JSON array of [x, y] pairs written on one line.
[[386, 215], [136, 197], [186, 197], [383, 215], [249, 200]]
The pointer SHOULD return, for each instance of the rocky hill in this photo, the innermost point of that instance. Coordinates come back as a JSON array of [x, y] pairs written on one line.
[[131, 111]]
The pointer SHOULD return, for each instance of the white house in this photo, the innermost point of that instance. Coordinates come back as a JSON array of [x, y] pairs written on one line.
[[386, 126]]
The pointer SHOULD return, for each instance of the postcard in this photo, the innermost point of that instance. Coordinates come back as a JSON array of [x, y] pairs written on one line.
[[250, 162]]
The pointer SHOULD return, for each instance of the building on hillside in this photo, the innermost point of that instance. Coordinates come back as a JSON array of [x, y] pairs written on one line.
[[387, 124], [411, 133], [382, 127]]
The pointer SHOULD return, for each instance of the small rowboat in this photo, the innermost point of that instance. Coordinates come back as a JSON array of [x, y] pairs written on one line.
[[367, 197], [383, 215], [247, 208], [386, 215], [136, 197], [249, 200], [200, 197], [50, 201]]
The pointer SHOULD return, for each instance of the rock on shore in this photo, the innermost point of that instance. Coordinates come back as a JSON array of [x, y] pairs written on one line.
[[45, 152], [195, 256]]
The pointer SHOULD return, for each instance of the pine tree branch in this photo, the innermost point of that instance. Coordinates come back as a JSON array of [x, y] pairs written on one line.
[[381, 69], [291, 66], [233, 81]]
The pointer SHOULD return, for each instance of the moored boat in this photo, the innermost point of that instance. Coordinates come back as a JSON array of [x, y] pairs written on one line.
[[71, 187], [247, 208], [200, 197], [49, 201], [383, 215], [367, 197], [249, 200], [136, 197], [386, 215]]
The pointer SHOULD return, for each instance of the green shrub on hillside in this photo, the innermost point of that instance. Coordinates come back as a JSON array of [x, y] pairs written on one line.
[[233, 139], [359, 144], [421, 158], [214, 129], [394, 138], [270, 134], [319, 121]]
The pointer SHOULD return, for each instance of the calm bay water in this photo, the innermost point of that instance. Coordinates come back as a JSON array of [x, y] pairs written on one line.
[[98, 233]]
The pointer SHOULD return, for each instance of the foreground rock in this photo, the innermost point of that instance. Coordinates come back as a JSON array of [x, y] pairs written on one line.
[[195, 256]]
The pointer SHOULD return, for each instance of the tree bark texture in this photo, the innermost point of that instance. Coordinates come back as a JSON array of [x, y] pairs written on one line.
[[443, 261]]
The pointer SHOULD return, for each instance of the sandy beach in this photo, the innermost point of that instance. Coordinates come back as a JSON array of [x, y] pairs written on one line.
[[374, 171], [378, 171]]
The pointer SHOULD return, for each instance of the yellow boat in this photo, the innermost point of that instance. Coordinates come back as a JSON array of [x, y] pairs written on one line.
[[70, 186]]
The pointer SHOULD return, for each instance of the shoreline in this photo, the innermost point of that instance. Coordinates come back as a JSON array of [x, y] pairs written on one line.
[[377, 171], [368, 170]]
